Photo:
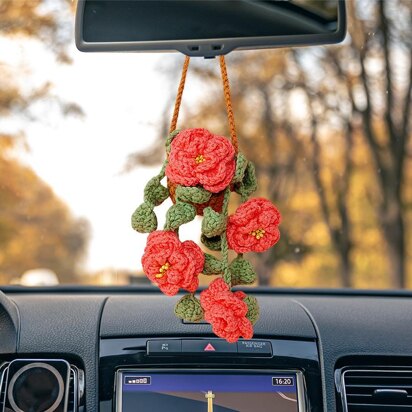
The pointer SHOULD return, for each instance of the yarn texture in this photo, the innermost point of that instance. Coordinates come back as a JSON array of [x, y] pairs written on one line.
[[254, 226], [179, 214], [212, 265], [213, 223], [154, 192], [242, 272], [203, 170], [248, 184], [188, 308], [253, 309], [226, 311], [144, 219], [172, 264], [212, 243], [196, 195], [200, 157]]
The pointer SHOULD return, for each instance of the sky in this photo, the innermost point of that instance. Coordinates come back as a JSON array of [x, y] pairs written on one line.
[[123, 96]]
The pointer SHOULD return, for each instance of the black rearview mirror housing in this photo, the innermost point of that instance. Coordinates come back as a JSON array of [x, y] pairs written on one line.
[[206, 27]]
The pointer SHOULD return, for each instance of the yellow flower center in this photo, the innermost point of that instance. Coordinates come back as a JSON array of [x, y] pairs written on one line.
[[258, 233], [199, 159], [163, 270]]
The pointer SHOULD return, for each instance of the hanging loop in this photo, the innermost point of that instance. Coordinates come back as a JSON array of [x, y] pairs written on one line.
[[228, 102], [227, 96], [179, 95]]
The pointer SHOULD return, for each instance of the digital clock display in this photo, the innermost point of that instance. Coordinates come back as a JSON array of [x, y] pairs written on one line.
[[287, 381]]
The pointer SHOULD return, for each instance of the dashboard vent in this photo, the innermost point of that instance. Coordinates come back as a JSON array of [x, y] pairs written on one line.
[[3, 372], [76, 388], [370, 390]]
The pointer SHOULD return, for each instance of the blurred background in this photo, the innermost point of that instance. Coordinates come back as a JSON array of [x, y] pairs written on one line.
[[329, 130]]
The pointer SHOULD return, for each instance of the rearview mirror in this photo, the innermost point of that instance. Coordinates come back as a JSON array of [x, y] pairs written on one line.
[[207, 27]]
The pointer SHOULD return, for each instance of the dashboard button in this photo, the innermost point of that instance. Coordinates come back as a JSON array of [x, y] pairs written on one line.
[[254, 347], [164, 347], [208, 347]]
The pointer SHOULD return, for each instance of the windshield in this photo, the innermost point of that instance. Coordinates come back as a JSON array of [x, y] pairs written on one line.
[[328, 129]]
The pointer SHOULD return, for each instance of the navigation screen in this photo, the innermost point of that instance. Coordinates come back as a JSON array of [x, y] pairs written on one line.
[[207, 392]]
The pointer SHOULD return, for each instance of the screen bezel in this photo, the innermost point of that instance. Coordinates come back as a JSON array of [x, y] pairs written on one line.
[[300, 380], [207, 47]]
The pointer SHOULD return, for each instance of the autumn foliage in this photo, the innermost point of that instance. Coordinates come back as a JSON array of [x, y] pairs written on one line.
[[329, 130], [37, 230]]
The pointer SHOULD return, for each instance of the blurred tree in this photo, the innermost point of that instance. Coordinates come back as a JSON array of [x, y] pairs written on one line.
[[372, 77], [41, 19], [48, 22], [36, 228], [329, 131], [288, 154]]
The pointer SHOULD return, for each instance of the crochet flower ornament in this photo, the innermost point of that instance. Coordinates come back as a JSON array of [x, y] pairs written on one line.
[[254, 227], [197, 157], [202, 171], [226, 311], [199, 163], [172, 264]]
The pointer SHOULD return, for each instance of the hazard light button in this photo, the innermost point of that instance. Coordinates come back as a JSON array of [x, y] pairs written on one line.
[[208, 347]]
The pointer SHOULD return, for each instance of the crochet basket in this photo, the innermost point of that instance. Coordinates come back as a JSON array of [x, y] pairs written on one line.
[[215, 201]]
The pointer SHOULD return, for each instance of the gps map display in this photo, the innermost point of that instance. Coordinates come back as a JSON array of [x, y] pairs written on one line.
[[207, 392]]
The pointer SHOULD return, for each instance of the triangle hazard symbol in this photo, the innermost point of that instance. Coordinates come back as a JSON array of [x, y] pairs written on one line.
[[209, 348]]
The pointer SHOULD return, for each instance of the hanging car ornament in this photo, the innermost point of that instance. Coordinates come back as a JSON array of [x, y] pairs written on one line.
[[202, 170]]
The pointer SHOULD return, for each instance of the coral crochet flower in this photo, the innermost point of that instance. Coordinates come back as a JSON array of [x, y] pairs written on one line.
[[200, 157], [172, 264], [226, 311], [254, 226]]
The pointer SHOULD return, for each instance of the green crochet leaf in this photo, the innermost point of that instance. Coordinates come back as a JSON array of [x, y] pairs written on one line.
[[213, 223], [192, 194], [249, 182], [242, 272], [213, 243], [253, 309], [144, 219], [188, 308], [212, 265], [178, 215], [155, 192], [170, 139], [241, 164]]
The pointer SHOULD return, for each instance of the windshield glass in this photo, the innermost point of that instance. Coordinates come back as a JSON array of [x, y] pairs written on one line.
[[328, 129]]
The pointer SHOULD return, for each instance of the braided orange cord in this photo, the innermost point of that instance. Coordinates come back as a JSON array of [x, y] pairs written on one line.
[[228, 101], [178, 101], [226, 91]]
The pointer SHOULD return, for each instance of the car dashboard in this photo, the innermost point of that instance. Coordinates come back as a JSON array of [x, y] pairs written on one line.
[[110, 348]]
